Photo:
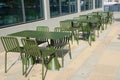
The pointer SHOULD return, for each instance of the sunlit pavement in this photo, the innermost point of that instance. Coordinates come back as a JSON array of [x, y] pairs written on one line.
[[100, 61]]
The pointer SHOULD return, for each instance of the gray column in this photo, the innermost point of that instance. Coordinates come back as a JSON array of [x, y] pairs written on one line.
[[23, 11], [46, 9], [93, 4], [78, 6], [103, 4]]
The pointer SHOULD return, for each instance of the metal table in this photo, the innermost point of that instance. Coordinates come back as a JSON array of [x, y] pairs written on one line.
[[39, 34], [89, 28]]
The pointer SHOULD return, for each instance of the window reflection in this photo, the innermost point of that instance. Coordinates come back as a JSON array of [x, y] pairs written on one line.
[[73, 6], [65, 6], [10, 12], [86, 5], [54, 8], [33, 9], [98, 3], [62, 7]]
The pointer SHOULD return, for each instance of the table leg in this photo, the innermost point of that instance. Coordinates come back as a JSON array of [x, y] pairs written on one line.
[[53, 63]]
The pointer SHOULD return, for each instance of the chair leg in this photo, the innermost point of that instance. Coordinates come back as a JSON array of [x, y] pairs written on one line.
[[89, 39], [5, 62], [69, 51], [62, 58], [26, 68], [97, 33], [22, 64], [93, 35], [22, 68], [76, 36], [42, 68]]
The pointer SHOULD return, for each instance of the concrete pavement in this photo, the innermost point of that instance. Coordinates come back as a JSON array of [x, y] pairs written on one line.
[[101, 61]]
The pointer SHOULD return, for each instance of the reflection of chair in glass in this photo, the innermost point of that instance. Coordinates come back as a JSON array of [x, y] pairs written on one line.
[[11, 44], [43, 29], [33, 53], [60, 44]]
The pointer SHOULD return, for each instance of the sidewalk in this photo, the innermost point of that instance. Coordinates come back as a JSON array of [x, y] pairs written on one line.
[[101, 61]]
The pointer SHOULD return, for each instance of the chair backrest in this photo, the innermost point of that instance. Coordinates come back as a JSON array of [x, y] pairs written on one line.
[[76, 17], [110, 15], [42, 28], [10, 44], [66, 25], [60, 29], [83, 17], [31, 48], [57, 29], [96, 17], [63, 40], [95, 13]]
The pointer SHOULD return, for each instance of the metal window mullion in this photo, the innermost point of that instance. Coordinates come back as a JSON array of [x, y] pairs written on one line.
[[70, 6], [42, 12], [84, 5], [76, 6], [60, 7], [23, 11]]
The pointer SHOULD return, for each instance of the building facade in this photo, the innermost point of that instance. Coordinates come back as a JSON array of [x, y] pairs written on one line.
[[112, 5], [17, 15], [111, 0]]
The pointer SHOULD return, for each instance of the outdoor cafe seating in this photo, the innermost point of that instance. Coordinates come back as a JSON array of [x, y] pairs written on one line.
[[70, 29], [45, 29], [30, 49], [11, 44], [33, 52], [60, 44]]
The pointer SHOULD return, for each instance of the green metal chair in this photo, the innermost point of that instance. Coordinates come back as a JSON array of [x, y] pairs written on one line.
[[95, 13], [11, 44], [60, 44], [33, 53], [83, 17], [87, 31], [97, 26], [44, 29], [105, 19], [67, 26], [85, 27], [80, 26], [110, 16]]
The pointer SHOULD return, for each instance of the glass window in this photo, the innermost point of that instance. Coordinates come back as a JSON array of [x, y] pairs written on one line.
[[86, 5], [54, 8], [73, 6], [10, 12], [109, 0], [98, 3], [62, 7], [65, 6], [82, 5], [33, 9], [90, 4]]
